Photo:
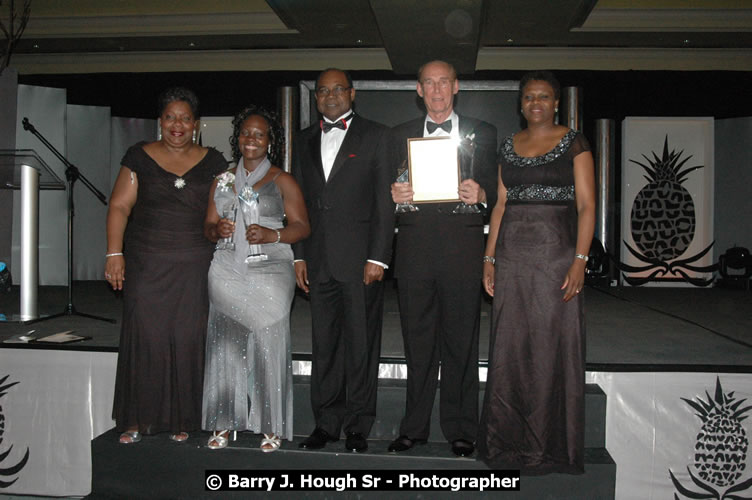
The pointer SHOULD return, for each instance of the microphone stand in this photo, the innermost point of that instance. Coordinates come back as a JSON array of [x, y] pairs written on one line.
[[72, 174]]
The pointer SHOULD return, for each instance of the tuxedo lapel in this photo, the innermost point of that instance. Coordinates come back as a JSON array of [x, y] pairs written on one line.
[[314, 146], [420, 127], [349, 147]]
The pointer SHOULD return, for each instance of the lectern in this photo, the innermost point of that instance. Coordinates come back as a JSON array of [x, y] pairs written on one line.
[[24, 170]]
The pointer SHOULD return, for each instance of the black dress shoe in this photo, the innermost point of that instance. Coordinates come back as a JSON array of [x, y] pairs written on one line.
[[404, 443], [356, 442], [317, 440], [462, 448]]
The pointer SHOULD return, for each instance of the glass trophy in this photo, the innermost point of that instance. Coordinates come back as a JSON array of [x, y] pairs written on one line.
[[467, 156], [229, 212], [250, 210], [403, 175]]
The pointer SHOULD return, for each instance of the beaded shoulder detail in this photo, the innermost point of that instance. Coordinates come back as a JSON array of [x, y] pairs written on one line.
[[538, 192], [507, 151]]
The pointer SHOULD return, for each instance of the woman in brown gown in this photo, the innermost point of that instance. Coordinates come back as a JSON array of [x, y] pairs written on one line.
[[155, 232], [540, 234]]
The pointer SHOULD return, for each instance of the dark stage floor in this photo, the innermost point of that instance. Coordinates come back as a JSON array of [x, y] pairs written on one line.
[[632, 329]]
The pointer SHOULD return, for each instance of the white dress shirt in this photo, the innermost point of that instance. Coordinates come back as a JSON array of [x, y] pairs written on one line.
[[440, 132], [331, 142]]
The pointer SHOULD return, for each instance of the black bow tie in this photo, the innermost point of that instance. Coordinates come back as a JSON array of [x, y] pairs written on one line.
[[340, 124], [446, 126]]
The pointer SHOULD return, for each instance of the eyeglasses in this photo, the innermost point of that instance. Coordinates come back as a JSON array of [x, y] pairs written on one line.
[[336, 91], [443, 83]]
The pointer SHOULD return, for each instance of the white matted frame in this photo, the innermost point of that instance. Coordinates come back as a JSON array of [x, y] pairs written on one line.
[[667, 200]]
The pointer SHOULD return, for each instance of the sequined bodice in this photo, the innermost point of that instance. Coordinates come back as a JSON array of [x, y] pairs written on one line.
[[545, 178]]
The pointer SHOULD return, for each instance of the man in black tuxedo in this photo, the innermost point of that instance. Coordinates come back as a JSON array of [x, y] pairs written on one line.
[[344, 175], [438, 266]]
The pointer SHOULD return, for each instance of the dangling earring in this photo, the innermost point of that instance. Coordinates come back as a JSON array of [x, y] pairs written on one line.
[[269, 149], [194, 136], [556, 110], [159, 129]]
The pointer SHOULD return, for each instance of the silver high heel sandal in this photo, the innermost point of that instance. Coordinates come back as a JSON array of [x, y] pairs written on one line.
[[130, 437], [220, 439], [179, 437], [270, 443]]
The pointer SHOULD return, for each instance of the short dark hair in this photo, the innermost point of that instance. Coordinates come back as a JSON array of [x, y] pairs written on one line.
[[450, 65], [179, 94], [276, 133], [344, 72], [542, 76]]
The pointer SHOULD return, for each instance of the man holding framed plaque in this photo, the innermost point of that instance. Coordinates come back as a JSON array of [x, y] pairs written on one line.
[[439, 257]]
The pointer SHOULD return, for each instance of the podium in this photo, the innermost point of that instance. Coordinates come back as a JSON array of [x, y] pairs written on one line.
[[24, 170]]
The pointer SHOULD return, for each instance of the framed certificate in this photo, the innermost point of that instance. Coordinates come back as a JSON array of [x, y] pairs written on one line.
[[434, 169]]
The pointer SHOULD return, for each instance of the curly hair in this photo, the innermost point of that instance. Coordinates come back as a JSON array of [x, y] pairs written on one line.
[[179, 94], [540, 76], [276, 133]]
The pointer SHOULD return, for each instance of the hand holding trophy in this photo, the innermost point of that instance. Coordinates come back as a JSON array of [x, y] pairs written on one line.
[[229, 212], [403, 175]]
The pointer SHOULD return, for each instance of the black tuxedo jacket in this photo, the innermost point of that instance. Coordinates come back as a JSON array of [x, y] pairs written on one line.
[[351, 213], [433, 242]]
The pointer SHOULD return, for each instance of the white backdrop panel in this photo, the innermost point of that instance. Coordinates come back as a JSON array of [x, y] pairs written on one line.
[[733, 204], [216, 132], [650, 430], [692, 137], [88, 145], [125, 133], [63, 399], [45, 108]]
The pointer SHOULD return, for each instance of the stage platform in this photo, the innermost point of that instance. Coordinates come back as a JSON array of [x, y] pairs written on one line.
[[628, 329], [649, 351]]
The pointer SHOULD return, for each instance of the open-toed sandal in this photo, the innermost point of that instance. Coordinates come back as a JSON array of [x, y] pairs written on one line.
[[130, 437], [220, 439], [270, 444], [179, 436]]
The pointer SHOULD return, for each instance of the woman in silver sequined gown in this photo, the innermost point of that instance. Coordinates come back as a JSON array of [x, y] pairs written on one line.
[[540, 234], [248, 375]]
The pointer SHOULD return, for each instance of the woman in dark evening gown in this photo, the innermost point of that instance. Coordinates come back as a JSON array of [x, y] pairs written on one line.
[[155, 239], [540, 235]]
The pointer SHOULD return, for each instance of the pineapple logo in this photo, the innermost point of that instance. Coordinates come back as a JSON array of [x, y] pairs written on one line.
[[13, 469], [663, 220], [721, 447]]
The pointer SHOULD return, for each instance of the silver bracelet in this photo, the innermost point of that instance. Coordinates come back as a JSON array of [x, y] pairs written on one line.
[[112, 254], [580, 256], [279, 236], [488, 258]]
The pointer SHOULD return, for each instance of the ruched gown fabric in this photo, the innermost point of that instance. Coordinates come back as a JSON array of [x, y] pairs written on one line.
[[248, 378], [533, 409], [165, 302]]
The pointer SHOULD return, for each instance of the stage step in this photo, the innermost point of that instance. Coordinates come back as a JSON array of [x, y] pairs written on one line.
[[159, 468], [391, 407]]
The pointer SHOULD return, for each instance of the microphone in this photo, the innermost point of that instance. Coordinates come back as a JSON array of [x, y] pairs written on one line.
[[27, 125]]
